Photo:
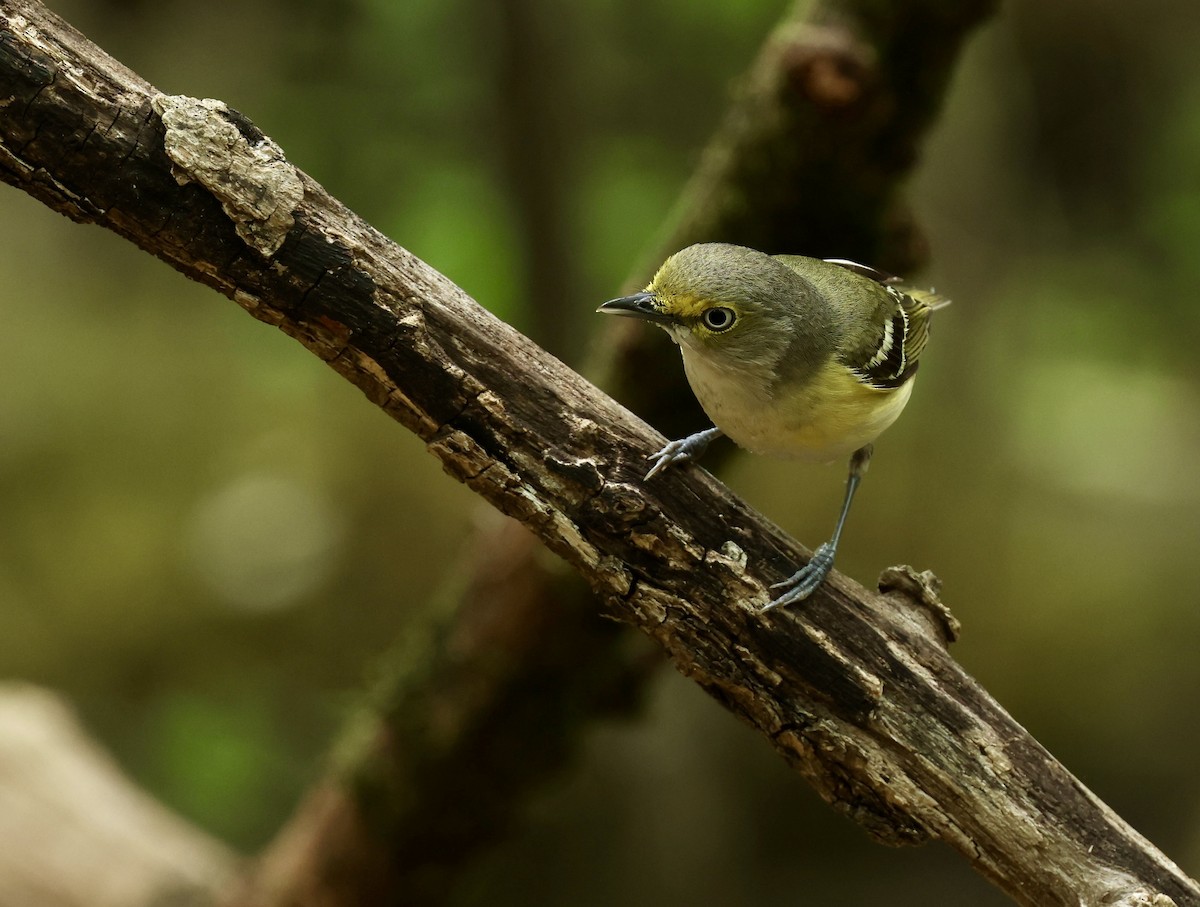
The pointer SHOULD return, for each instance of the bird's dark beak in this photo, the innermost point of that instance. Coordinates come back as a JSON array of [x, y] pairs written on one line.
[[639, 305]]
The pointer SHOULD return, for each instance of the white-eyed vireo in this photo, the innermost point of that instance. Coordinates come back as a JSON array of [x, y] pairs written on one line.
[[790, 357]]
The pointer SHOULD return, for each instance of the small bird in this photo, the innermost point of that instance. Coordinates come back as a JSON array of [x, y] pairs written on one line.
[[790, 357]]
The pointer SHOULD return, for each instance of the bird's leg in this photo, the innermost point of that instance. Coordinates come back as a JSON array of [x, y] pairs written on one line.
[[804, 581], [683, 450]]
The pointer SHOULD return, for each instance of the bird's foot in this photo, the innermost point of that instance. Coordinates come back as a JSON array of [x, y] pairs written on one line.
[[801, 584], [682, 451]]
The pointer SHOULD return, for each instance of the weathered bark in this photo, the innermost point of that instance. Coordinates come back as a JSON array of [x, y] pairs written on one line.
[[855, 690], [820, 134], [833, 71]]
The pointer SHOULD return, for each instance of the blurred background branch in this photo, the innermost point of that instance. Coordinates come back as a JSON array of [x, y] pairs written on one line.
[[532, 120], [76, 831]]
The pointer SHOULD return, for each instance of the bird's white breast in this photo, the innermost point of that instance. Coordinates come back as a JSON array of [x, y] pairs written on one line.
[[831, 417]]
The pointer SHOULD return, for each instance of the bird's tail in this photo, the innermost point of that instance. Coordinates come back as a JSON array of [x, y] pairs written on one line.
[[929, 300]]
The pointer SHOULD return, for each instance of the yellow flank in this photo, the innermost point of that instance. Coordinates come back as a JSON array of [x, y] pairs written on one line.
[[829, 417]]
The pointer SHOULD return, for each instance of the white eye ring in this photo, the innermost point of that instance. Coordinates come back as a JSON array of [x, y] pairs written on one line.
[[718, 318]]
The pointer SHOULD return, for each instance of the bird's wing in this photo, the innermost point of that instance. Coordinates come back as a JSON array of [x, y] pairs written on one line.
[[880, 277], [885, 323], [889, 355]]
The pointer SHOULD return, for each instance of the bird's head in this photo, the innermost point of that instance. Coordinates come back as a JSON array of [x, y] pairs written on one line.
[[732, 306]]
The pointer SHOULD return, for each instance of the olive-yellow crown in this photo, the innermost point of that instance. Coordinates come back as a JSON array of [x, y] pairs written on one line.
[[743, 307]]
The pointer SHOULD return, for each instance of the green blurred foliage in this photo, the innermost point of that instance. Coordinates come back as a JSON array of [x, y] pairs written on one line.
[[206, 536]]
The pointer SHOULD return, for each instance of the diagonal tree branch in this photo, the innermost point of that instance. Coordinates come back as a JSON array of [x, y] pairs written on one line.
[[830, 70], [830, 115], [855, 690]]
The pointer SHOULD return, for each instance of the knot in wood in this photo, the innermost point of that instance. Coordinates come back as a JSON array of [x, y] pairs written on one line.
[[828, 67]]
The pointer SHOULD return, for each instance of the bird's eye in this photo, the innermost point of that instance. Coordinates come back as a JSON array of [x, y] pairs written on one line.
[[718, 318]]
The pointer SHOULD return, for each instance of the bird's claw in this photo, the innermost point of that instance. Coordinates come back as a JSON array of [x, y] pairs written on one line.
[[804, 582], [682, 451], [675, 452]]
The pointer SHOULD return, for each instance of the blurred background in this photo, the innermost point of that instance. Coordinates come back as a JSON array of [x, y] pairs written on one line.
[[207, 537]]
